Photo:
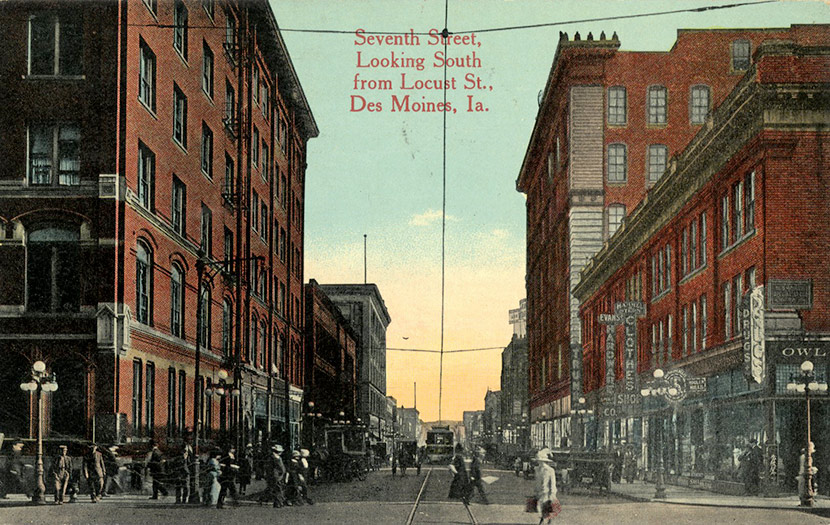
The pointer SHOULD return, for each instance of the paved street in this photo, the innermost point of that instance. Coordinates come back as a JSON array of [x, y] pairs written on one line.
[[382, 499]]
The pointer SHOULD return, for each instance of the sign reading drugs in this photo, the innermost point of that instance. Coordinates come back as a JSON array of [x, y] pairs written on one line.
[[752, 330]]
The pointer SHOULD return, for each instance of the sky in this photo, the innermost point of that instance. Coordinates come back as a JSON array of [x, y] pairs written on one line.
[[379, 173]]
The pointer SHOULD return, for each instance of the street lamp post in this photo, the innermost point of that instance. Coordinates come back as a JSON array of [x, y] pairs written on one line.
[[805, 382], [581, 410], [40, 381], [659, 388]]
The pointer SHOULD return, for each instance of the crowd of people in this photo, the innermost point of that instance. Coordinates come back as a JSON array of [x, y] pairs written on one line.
[[221, 471]]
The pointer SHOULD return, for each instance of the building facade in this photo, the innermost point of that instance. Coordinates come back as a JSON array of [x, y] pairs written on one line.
[[473, 421], [330, 357], [148, 143], [514, 397], [725, 260], [409, 424], [492, 418], [609, 121], [364, 309]]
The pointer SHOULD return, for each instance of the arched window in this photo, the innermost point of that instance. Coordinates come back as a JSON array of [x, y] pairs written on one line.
[[143, 283], [52, 267], [263, 342], [254, 343], [176, 300], [204, 321], [227, 327]]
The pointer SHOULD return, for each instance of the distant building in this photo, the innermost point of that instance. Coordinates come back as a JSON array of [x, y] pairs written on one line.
[[473, 427], [514, 395], [330, 356], [363, 307], [409, 424], [518, 318], [492, 417]]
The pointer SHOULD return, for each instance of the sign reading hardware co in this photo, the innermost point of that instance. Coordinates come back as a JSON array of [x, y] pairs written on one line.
[[796, 351]]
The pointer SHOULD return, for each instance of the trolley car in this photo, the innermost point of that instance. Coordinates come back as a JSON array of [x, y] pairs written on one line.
[[440, 441]]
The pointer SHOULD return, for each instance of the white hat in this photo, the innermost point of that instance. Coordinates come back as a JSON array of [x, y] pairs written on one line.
[[544, 455], [295, 453], [277, 448], [304, 452]]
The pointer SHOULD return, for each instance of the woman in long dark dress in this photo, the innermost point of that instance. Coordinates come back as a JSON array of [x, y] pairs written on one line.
[[460, 488]]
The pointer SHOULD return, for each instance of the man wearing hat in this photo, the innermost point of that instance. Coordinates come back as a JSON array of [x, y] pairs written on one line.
[[545, 486], [94, 472], [227, 478], [475, 475], [62, 470], [275, 476]]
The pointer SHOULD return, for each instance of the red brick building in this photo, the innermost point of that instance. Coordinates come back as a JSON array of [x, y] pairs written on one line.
[[728, 255], [139, 136], [330, 357], [608, 123]]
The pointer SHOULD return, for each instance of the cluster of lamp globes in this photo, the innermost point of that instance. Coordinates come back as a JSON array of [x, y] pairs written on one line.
[[801, 387], [661, 390], [46, 382], [220, 390], [582, 410]]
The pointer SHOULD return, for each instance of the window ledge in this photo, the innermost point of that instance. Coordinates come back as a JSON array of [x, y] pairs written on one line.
[[660, 295], [735, 245], [207, 175], [69, 78], [149, 109], [694, 273], [616, 183]]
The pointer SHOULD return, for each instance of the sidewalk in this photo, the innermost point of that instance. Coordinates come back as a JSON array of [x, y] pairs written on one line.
[[639, 491]]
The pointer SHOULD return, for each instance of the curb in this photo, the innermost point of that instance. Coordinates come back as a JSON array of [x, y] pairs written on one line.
[[641, 499]]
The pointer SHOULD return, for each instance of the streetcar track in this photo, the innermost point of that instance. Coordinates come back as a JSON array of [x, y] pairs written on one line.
[[411, 518]]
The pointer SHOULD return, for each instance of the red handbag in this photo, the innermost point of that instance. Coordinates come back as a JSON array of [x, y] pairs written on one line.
[[551, 509]]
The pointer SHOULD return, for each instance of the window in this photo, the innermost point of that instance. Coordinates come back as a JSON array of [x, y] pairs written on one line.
[[699, 104], [255, 147], [227, 250], [179, 116], [180, 28], [254, 352], [617, 115], [263, 284], [207, 70], [204, 320], [284, 194], [282, 130], [179, 205], [227, 327], [263, 220], [143, 283], [693, 256], [738, 213], [749, 202], [657, 158], [694, 327], [176, 300], [725, 240], [230, 190], [703, 239], [171, 402], [657, 105], [150, 397], [265, 101], [182, 399], [727, 310], [208, 6], [265, 160], [138, 388], [254, 211], [207, 151], [750, 279], [255, 84], [147, 76], [53, 145], [206, 237], [737, 287], [55, 45], [230, 102], [281, 299], [230, 30], [615, 214], [668, 267], [617, 163], [254, 276], [146, 176], [704, 321], [53, 260], [740, 55], [685, 330], [684, 252], [282, 244]]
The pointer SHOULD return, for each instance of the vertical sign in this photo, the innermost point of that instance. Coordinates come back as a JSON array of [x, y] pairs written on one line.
[[610, 321], [752, 331], [576, 371], [629, 312]]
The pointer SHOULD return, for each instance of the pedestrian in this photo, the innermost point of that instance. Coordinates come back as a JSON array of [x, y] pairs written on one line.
[[112, 471], [155, 466], [546, 503], [178, 471], [94, 469], [751, 461], [62, 471], [275, 477], [475, 476], [517, 466], [13, 472], [246, 468], [210, 495], [227, 477], [616, 476], [460, 487], [394, 463], [305, 468]]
